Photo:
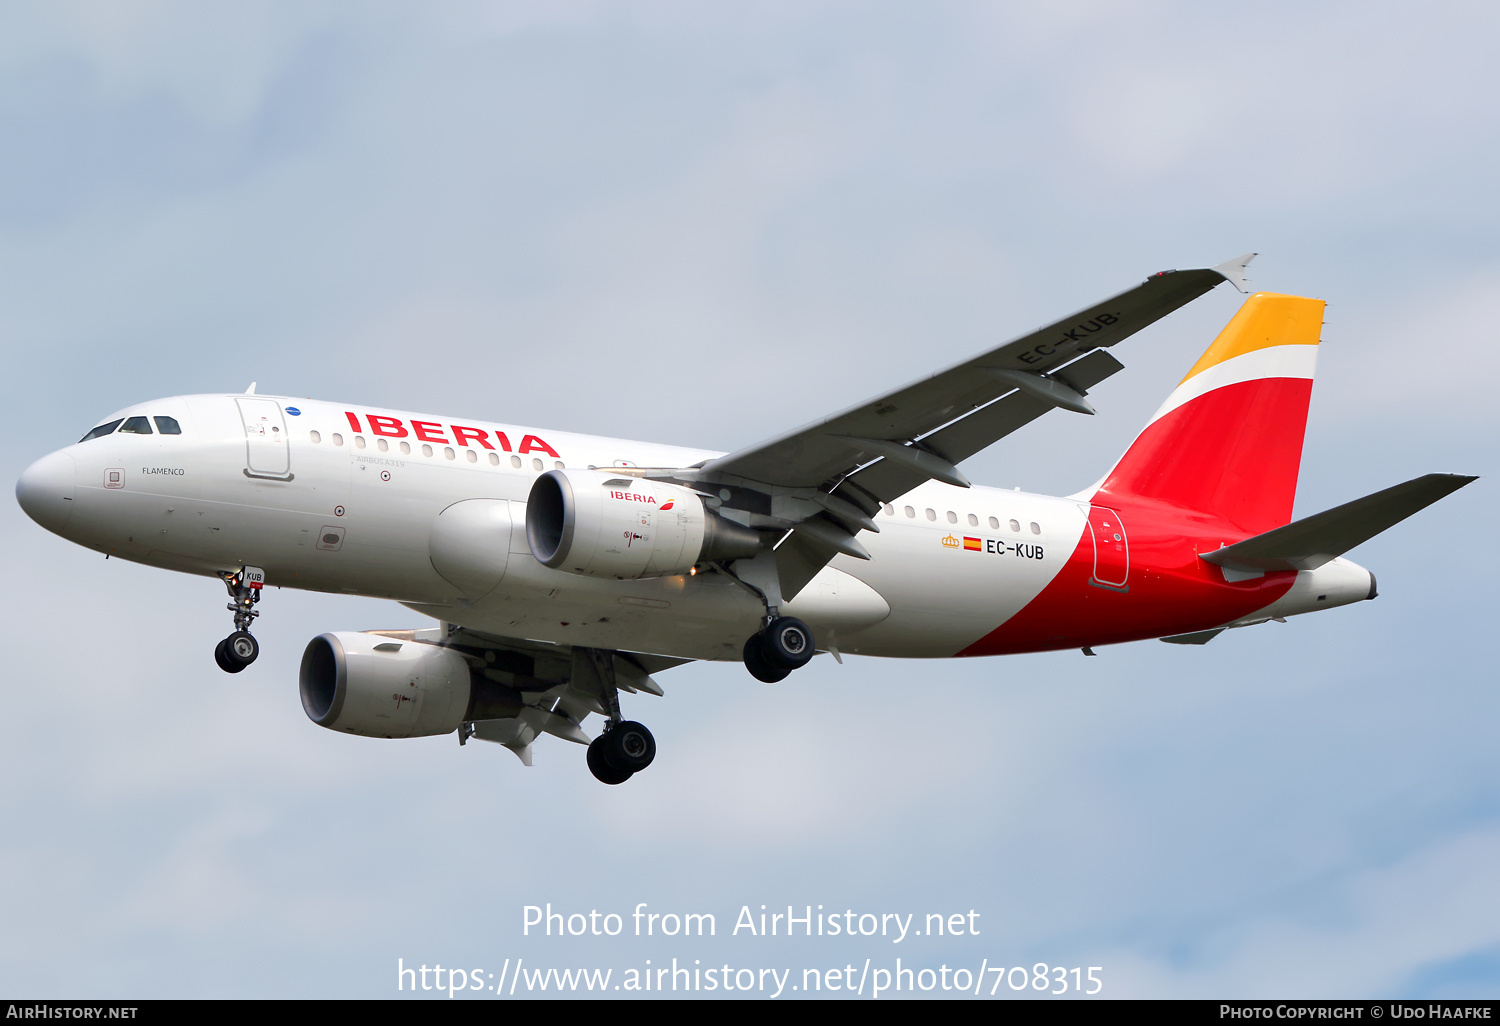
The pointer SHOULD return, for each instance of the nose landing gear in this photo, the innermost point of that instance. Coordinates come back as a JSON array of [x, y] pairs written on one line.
[[239, 650]]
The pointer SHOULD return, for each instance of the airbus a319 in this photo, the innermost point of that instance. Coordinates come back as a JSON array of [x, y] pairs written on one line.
[[564, 569]]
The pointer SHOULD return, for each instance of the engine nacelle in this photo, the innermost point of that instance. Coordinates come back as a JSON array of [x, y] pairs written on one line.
[[600, 525], [374, 686]]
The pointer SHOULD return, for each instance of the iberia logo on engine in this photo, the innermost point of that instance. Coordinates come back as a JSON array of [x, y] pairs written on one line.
[[633, 497]]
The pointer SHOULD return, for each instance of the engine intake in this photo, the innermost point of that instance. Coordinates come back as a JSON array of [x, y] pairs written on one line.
[[370, 685], [591, 523]]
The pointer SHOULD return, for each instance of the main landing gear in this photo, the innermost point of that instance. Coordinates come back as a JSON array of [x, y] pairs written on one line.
[[783, 645], [622, 751], [625, 747], [239, 650]]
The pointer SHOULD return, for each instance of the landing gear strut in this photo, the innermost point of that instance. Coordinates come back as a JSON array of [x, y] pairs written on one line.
[[625, 747], [239, 650], [784, 643]]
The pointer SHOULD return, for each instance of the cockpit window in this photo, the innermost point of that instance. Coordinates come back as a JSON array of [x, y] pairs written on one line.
[[136, 426], [167, 425], [102, 430]]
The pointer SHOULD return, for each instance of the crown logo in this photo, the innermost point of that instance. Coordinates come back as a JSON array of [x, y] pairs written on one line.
[[951, 542]]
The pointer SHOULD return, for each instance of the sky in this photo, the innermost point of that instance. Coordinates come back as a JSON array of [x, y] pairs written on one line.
[[703, 225]]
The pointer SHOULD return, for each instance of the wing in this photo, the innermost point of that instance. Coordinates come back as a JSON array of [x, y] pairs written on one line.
[[1037, 371], [824, 482], [521, 689]]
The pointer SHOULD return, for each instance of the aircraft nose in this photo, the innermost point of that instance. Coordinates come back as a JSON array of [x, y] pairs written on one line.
[[45, 490]]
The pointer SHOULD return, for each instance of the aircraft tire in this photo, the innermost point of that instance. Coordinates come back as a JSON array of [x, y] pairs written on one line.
[[240, 648], [759, 667], [603, 770], [223, 660], [628, 745], [788, 643]]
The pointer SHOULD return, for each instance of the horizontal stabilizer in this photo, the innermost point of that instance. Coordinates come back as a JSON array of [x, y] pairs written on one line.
[[1309, 543]]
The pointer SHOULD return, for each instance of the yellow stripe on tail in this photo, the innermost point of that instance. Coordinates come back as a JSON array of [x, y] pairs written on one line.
[[1266, 319]]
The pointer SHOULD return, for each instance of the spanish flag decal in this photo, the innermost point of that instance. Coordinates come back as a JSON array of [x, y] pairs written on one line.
[[973, 545]]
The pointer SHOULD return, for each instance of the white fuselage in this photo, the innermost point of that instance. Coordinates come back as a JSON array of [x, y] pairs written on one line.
[[325, 507]]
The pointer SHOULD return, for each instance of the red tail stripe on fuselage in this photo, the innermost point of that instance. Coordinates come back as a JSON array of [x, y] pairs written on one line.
[[1217, 465], [1177, 481]]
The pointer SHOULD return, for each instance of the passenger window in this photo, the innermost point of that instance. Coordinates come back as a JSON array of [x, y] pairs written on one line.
[[536, 464], [952, 517], [994, 524], [102, 430], [338, 439], [136, 426], [973, 520], [890, 510], [494, 459], [1035, 528], [515, 461], [405, 449], [448, 452], [558, 465], [426, 450], [1015, 525], [359, 441], [931, 515], [910, 512], [382, 444], [167, 425], [471, 456], [314, 437]]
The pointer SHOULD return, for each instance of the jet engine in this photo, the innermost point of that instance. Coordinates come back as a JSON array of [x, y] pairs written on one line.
[[371, 685], [591, 523]]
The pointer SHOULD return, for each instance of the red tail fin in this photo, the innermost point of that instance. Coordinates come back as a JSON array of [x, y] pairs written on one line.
[[1228, 441]]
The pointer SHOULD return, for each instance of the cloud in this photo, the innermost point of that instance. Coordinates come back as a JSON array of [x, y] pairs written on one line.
[[704, 226]]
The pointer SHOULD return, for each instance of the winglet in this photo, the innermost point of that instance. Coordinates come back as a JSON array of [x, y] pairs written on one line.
[[251, 389], [1234, 271]]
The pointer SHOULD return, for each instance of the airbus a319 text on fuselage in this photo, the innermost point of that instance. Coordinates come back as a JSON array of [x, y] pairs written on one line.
[[564, 569]]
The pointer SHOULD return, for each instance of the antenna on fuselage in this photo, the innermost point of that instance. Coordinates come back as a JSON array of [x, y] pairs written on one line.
[[251, 389]]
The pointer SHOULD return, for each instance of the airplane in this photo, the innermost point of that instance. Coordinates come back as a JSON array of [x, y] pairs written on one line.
[[564, 569]]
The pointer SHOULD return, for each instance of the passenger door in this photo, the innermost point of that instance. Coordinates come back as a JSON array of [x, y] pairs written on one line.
[[266, 450]]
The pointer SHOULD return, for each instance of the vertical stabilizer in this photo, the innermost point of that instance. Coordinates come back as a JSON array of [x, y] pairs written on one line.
[[1228, 441]]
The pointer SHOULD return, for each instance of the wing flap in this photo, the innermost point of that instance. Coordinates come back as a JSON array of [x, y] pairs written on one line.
[[955, 443], [537, 687]]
